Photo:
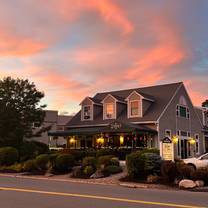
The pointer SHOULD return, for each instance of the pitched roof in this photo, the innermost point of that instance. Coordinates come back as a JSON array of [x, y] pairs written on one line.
[[161, 94], [63, 119]]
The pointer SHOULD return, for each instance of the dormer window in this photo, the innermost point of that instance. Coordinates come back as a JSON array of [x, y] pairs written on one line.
[[134, 108], [87, 112], [110, 109]]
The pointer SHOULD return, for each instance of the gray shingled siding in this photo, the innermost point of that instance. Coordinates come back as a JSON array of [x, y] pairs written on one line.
[[171, 122]]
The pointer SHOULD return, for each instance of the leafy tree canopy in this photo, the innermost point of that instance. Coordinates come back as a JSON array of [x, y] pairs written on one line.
[[205, 103], [19, 109]]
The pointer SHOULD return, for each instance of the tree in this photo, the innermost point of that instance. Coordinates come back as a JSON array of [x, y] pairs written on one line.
[[19, 109], [205, 103]]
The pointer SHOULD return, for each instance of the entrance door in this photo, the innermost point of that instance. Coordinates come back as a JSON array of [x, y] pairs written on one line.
[[184, 148]]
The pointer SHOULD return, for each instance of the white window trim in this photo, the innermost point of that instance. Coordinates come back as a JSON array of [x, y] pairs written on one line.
[[105, 112], [169, 131], [140, 114], [91, 113], [178, 110], [197, 140], [129, 108]]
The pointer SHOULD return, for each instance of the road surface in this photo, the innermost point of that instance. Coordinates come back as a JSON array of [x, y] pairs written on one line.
[[36, 193]]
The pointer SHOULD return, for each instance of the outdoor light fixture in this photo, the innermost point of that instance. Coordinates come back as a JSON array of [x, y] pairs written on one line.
[[100, 140], [192, 141], [72, 140], [121, 139], [175, 139]]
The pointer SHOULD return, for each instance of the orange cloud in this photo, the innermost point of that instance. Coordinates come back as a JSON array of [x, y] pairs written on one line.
[[11, 45], [154, 63]]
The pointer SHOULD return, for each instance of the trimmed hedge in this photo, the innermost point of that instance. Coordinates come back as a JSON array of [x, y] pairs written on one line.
[[140, 164], [42, 162], [104, 160], [89, 161], [64, 162], [30, 166], [113, 169], [8, 156]]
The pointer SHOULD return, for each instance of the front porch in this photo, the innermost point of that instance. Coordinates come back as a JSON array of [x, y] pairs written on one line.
[[114, 135]]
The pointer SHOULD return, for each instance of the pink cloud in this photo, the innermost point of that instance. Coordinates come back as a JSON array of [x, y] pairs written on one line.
[[109, 11]]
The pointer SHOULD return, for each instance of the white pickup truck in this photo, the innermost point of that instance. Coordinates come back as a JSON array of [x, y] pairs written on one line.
[[197, 162]]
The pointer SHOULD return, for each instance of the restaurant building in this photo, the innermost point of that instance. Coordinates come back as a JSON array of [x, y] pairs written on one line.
[[137, 118]]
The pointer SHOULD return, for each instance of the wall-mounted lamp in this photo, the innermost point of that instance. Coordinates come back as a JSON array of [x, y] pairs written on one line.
[[72, 140], [192, 140], [175, 139], [100, 140]]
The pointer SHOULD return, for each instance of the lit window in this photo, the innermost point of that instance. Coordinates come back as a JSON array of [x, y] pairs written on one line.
[[109, 110], [134, 108], [87, 112]]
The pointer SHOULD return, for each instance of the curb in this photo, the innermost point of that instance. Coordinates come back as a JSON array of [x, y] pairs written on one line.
[[57, 179], [128, 185]]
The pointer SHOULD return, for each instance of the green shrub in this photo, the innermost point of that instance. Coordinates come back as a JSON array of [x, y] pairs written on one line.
[[113, 169], [8, 155], [88, 170], [104, 161], [42, 161], [78, 154], [142, 163], [114, 161], [135, 165], [151, 150], [52, 159], [89, 161], [29, 166], [152, 164], [103, 152], [168, 171], [90, 153], [16, 168], [64, 162]]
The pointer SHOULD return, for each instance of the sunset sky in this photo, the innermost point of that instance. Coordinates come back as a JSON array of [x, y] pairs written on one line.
[[73, 48]]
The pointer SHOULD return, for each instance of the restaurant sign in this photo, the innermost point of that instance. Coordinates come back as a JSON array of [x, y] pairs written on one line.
[[167, 149], [115, 125]]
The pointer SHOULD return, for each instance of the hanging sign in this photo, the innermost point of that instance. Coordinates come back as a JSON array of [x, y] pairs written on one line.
[[167, 149]]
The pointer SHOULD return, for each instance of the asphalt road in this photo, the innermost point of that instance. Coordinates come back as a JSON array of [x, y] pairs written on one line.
[[32, 193]]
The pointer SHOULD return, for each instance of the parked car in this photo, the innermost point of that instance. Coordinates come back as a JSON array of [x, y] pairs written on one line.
[[197, 162]]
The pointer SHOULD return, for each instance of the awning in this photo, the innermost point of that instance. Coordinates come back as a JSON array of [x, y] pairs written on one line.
[[114, 127], [77, 131]]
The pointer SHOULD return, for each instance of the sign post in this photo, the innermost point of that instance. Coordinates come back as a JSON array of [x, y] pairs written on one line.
[[167, 149]]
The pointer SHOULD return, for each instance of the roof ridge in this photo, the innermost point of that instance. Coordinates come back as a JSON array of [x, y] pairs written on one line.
[[138, 88]]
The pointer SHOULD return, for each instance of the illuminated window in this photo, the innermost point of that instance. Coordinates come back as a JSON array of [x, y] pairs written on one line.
[[87, 112], [134, 108], [109, 110]]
